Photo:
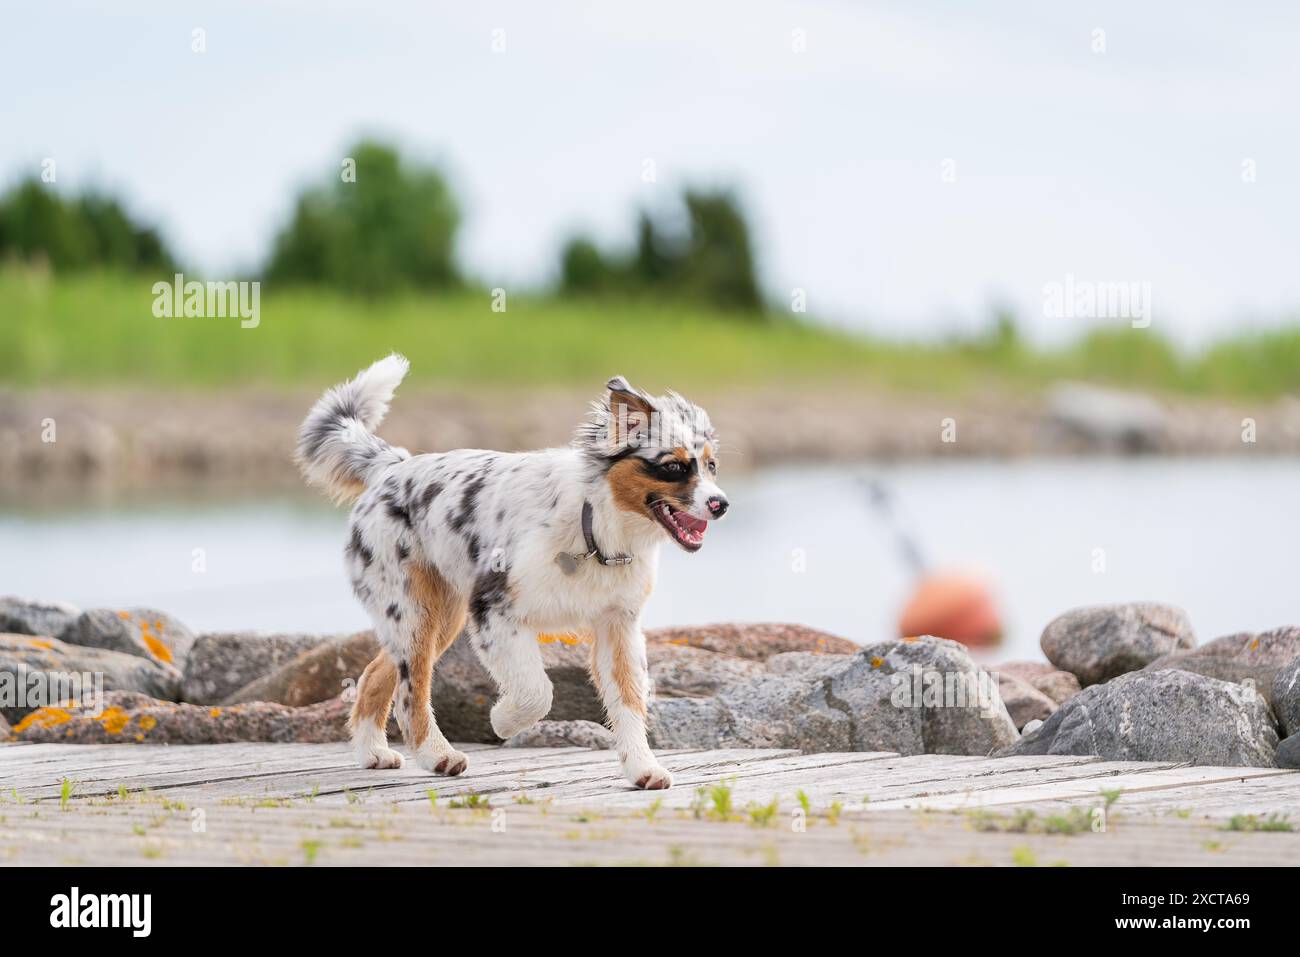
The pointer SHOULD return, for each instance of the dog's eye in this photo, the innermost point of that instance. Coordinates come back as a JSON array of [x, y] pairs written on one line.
[[713, 466]]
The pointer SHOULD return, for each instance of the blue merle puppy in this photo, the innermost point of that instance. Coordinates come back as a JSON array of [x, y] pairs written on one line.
[[502, 546]]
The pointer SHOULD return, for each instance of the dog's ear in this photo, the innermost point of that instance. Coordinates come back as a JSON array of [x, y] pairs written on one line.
[[631, 411], [621, 392]]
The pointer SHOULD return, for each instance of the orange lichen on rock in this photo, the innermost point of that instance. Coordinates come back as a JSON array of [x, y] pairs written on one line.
[[44, 643], [877, 661], [564, 639], [124, 615], [147, 722], [114, 720], [155, 646], [43, 718], [214, 713]]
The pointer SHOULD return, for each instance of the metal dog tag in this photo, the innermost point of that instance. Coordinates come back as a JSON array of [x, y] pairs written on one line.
[[568, 562]]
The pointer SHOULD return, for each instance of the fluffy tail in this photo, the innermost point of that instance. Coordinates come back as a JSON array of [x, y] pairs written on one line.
[[337, 447]]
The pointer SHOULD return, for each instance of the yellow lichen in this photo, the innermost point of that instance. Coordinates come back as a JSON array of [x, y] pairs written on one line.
[[876, 662], [114, 720], [214, 713], [156, 647], [147, 722], [565, 638], [40, 642], [43, 718]]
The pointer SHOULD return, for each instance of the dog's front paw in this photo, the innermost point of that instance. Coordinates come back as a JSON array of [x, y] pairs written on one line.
[[510, 715], [649, 776], [379, 758], [450, 762]]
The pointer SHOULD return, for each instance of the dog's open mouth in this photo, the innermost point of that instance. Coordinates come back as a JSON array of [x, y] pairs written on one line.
[[686, 530]]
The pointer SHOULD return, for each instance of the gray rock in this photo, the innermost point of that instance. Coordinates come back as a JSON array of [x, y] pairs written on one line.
[[759, 640], [1090, 418], [145, 632], [564, 734], [683, 671], [1276, 647], [129, 718], [1031, 727], [220, 664], [1024, 702], [1288, 752], [1161, 716], [1101, 642], [1058, 685], [21, 616], [329, 669], [1247, 658], [1222, 668], [41, 669], [914, 696], [1286, 697], [802, 663]]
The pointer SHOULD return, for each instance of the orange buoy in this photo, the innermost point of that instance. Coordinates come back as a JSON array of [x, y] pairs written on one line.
[[954, 605]]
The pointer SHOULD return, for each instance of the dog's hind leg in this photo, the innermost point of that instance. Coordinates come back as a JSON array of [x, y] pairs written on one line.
[[430, 615], [618, 667], [370, 715]]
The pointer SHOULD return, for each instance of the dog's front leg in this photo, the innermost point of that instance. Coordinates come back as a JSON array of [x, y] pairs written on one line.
[[619, 670]]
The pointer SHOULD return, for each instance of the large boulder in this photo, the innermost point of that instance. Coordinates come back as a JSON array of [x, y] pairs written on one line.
[[1276, 647], [1286, 697], [145, 632], [1245, 658], [681, 671], [563, 734], [326, 671], [759, 641], [129, 718], [1101, 642], [45, 671], [1288, 752], [1058, 685], [220, 664], [22, 616], [1161, 716], [1024, 702], [913, 696]]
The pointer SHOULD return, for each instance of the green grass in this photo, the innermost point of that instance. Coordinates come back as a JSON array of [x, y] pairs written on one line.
[[1252, 822], [98, 329]]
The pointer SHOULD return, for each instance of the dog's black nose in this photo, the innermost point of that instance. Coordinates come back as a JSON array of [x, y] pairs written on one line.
[[717, 505]]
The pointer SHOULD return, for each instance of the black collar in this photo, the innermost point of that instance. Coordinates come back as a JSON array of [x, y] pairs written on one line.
[[569, 562]]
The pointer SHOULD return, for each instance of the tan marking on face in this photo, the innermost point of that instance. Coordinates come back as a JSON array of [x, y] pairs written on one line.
[[442, 616], [631, 486]]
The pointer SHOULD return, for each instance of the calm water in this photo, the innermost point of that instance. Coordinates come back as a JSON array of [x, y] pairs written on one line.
[[1217, 537]]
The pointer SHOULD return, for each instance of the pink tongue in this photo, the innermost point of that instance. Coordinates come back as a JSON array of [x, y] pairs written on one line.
[[690, 522]]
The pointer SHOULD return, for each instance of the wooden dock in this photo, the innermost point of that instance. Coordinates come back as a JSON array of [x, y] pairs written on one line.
[[308, 804]]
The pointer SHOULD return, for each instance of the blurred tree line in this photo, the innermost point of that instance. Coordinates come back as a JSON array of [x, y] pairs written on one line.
[[711, 260], [381, 225], [76, 233]]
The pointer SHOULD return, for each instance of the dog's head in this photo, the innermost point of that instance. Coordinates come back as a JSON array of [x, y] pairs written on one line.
[[659, 454]]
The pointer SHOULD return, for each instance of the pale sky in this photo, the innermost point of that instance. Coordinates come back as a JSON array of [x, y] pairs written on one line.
[[1122, 165]]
